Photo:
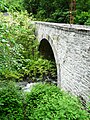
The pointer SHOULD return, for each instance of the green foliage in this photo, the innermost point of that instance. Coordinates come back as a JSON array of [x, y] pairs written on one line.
[[82, 12], [52, 10], [10, 51], [58, 10], [39, 69], [83, 5], [50, 103], [19, 58], [82, 18], [11, 5], [45, 101], [88, 21], [11, 105]]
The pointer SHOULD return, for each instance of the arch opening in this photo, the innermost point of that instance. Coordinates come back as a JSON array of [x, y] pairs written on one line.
[[46, 52]]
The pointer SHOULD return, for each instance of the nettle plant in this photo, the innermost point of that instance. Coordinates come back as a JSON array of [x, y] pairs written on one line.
[[19, 56]]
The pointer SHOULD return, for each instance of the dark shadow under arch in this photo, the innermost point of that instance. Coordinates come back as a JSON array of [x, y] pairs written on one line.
[[46, 51]]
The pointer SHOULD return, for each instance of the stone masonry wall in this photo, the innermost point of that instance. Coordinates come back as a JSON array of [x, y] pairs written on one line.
[[71, 48]]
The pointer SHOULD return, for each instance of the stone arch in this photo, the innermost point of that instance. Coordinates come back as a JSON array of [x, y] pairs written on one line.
[[67, 42], [46, 49]]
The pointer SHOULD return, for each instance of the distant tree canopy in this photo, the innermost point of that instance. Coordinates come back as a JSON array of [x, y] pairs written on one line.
[[82, 12], [83, 5], [50, 10], [58, 10]]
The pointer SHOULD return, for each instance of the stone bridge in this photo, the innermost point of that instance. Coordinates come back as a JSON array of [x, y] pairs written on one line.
[[69, 45]]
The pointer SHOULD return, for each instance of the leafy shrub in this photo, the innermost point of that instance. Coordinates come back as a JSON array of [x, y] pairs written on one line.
[[52, 10], [19, 58], [11, 105], [81, 17], [50, 103], [11, 5], [39, 69], [43, 102], [88, 20], [10, 51]]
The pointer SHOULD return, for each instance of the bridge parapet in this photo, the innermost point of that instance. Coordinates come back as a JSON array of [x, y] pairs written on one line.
[[67, 27]]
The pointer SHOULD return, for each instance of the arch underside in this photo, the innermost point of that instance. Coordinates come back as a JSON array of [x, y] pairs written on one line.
[[46, 51]]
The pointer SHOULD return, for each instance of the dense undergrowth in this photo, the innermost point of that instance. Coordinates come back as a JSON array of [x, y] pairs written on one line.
[[11, 101], [19, 56], [44, 102], [47, 102]]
